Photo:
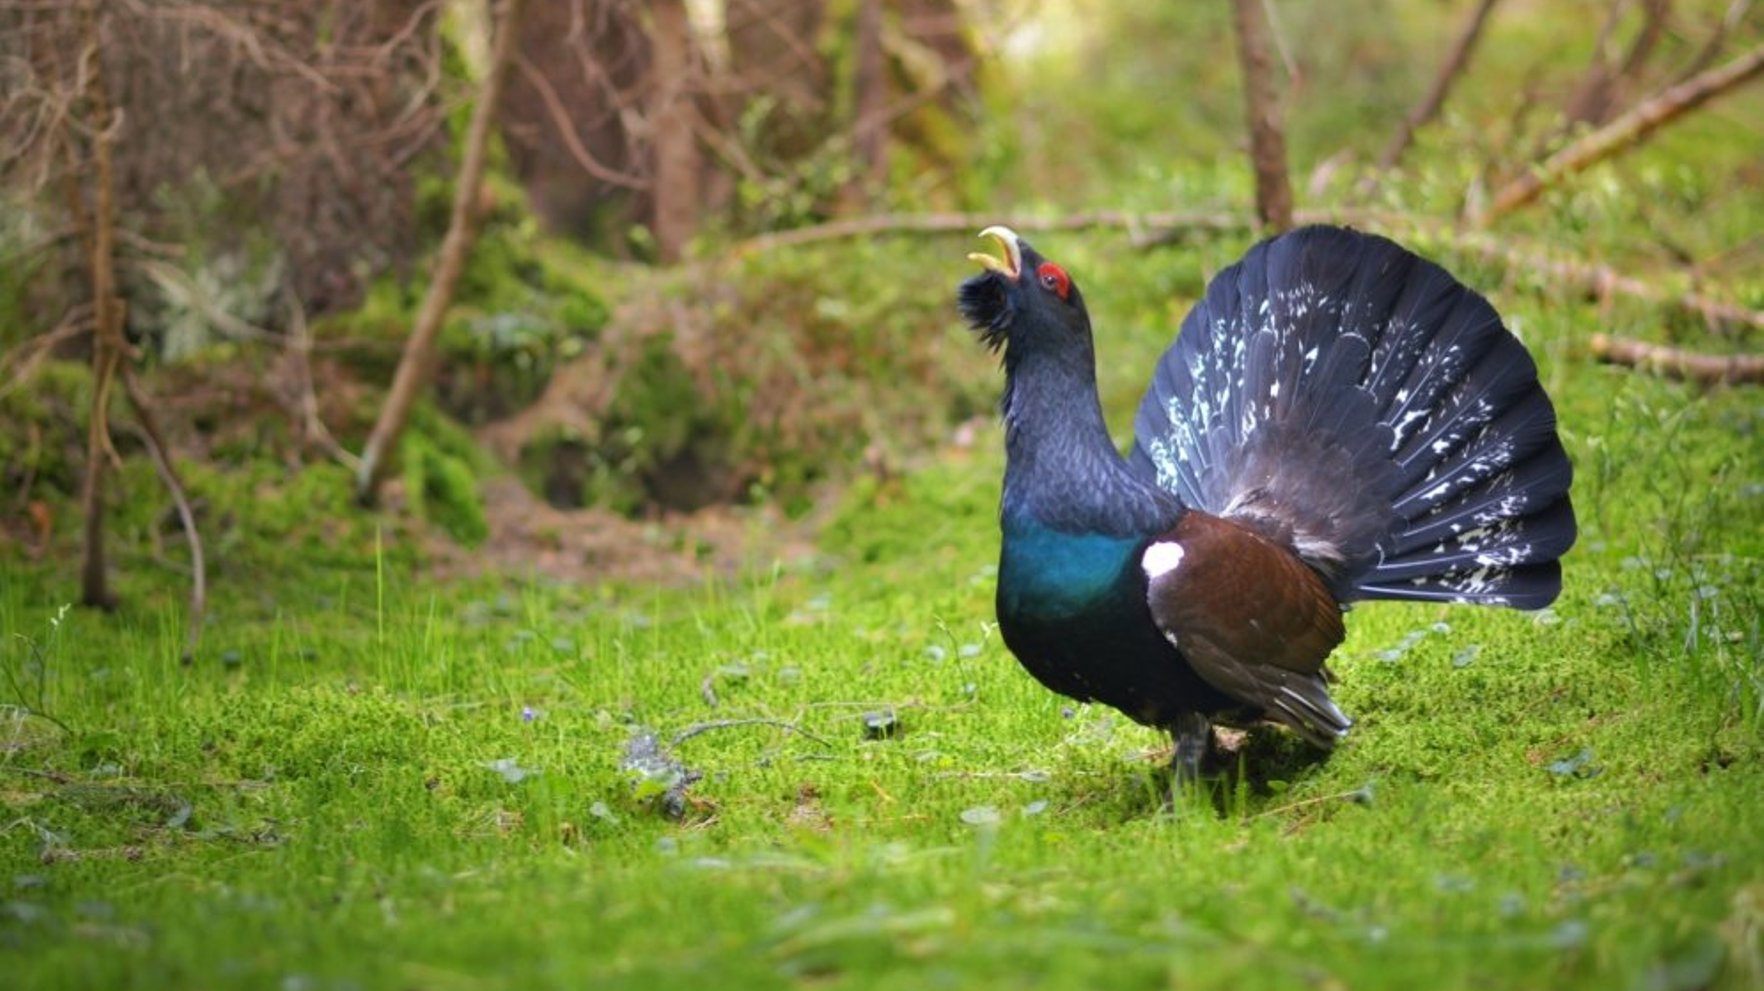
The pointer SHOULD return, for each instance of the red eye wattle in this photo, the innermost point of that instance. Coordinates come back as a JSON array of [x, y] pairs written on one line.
[[1054, 279]]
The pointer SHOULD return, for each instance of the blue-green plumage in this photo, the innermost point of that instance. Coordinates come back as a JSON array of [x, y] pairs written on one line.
[[1072, 607], [1048, 575]]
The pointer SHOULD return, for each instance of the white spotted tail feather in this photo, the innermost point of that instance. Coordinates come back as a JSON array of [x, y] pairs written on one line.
[[1353, 401]]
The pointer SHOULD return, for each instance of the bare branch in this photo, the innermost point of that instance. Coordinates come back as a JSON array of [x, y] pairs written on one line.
[[1631, 128], [566, 129], [24, 360], [1457, 58], [168, 474], [258, 45], [1593, 101], [305, 400]]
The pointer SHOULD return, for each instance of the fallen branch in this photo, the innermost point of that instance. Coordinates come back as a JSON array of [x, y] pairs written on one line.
[[972, 223], [1601, 281], [1629, 129], [1597, 281], [1677, 363]]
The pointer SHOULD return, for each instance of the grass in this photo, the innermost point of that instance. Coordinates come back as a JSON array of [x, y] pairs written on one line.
[[376, 781]]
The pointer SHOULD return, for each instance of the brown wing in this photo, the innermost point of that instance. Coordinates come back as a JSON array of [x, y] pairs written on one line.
[[1253, 620]]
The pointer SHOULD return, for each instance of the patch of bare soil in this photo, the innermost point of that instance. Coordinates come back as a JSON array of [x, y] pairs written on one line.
[[531, 537]]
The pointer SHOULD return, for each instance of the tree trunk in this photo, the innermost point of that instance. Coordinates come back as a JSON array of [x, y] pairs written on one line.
[[677, 167], [870, 108], [1267, 140], [419, 349], [107, 342], [1644, 119]]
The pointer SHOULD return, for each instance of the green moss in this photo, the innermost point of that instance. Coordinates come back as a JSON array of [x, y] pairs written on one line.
[[42, 435], [442, 488]]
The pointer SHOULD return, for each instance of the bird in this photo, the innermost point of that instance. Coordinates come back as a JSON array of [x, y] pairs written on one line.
[[1337, 420]]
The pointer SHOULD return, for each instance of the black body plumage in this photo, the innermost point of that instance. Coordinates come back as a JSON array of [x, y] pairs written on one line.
[[1338, 419]]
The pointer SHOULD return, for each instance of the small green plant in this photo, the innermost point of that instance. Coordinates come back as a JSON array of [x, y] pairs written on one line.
[[27, 675]]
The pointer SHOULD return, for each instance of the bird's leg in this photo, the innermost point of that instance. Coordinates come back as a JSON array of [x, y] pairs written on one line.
[[1194, 740]]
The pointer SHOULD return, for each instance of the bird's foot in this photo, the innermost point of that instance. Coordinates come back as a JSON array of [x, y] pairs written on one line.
[[1193, 735]]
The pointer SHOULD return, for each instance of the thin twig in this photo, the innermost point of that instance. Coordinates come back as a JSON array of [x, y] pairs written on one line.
[[566, 130], [1711, 50], [716, 724], [311, 423], [32, 353], [1355, 795], [168, 473]]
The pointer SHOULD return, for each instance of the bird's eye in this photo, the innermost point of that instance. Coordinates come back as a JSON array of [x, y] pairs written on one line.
[[1054, 279]]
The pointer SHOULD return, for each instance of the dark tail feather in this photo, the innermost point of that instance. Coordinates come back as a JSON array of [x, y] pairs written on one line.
[[1357, 401], [1304, 705]]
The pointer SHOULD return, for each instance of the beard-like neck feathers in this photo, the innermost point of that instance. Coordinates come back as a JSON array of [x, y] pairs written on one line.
[[1061, 467]]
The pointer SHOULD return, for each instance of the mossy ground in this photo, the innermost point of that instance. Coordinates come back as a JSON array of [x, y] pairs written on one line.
[[371, 780]]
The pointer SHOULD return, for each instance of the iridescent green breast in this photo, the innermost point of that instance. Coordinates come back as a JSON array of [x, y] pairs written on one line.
[[1045, 575]]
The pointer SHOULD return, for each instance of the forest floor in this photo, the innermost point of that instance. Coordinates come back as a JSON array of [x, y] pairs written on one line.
[[820, 768]]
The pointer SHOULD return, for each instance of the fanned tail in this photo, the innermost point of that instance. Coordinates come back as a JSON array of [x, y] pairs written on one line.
[[1347, 397]]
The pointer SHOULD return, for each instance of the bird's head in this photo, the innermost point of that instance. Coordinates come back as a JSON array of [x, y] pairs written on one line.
[[1022, 300]]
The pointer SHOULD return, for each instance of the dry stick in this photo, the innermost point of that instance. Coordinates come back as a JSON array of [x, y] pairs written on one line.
[[1424, 112], [311, 423], [168, 473], [1594, 280], [414, 364], [1600, 281], [107, 344], [1677, 363], [1630, 128], [698, 729], [1267, 141]]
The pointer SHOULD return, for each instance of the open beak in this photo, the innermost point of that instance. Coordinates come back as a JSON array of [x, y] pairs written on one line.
[[1012, 265]]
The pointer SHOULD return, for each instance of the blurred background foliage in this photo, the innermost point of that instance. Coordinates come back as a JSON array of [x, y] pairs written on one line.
[[638, 331]]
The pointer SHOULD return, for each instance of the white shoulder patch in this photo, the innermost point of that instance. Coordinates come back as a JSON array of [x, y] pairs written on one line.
[[1161, 558]]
